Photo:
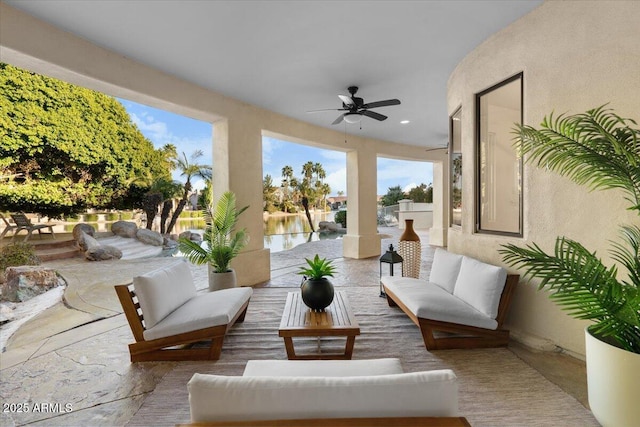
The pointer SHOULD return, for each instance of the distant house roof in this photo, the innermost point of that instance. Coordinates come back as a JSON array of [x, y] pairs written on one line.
[[337, 199]]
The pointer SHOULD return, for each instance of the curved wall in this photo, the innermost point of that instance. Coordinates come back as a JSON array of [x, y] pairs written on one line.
[[575, 55]]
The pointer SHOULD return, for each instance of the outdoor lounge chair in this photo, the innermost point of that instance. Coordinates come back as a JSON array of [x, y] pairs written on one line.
[[7, 226], [165, 315], [24, 223]]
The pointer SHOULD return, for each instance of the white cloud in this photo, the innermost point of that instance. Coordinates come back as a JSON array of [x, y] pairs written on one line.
[[408, 187], [337, 180]]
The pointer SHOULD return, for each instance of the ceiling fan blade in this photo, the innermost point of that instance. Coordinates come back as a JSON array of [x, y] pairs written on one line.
[[346, 100], [338, 120], [327, 109], [374, 115], [384, 103]]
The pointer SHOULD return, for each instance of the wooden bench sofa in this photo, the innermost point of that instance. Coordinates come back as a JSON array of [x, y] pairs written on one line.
[[334, 393], [166, 315], [463, 304]]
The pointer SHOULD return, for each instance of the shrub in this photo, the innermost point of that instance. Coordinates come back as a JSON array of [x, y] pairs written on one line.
[[17, 254], [341, 217]]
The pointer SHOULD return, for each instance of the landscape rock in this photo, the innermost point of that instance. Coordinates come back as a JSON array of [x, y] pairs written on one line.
[[124, 229], [150, 237], [103, 253], [170, 244], [82, 227], [196, 237], [26, 282], [328, 226], [86, 242]]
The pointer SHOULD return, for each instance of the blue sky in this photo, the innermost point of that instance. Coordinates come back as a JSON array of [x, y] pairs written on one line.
[[188, 135]]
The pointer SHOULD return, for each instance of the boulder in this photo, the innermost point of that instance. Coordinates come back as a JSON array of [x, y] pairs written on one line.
[[85, 241], [150, 237], [170, 244], [103, 253], [26, 282], [196, 237], [82, 227], [124, 229], [328, 226]]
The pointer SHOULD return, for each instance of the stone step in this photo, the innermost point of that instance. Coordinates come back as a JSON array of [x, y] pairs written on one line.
[[56, 250], [50, 243]]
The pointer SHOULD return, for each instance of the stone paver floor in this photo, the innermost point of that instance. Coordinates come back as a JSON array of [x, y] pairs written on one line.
[[69, 365]]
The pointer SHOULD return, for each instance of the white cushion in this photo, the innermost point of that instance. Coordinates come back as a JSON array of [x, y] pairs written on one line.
[[163, 290], [200, 312], [222, 398], [480, 285], [429, 301], [322, 368], [445, 269]]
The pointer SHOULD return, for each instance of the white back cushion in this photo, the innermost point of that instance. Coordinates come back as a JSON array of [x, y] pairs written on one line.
[[445, 269], [162, 291], [222, 398], [480, 285]]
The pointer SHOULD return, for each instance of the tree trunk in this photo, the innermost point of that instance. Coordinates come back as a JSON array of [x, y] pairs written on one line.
[[176, 214], [150, 206], [305, 204], [166, 209]]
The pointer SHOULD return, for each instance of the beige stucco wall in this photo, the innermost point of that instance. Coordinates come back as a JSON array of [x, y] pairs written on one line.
[[238, 128], [575, 55]]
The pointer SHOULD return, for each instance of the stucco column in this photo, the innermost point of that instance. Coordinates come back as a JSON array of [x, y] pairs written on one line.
[[237, 166], [438, 232], [362, 239]]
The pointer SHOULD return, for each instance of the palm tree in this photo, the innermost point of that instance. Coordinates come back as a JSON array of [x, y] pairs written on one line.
[[598, 149], [189, 170], [287, 175]]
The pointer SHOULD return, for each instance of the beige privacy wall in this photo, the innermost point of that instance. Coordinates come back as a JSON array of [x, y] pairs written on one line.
[[575, 55]]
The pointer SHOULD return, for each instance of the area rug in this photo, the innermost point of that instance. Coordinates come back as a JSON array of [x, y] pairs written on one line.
[[496, 388]]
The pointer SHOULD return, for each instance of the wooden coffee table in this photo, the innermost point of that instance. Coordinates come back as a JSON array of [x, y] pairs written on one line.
[[298, 320]]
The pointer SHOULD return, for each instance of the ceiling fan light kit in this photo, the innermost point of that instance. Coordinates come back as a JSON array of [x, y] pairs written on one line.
[[356, 108], [352, 117]]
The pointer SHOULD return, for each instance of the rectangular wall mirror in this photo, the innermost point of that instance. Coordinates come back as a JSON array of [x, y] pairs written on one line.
[[499, 167], [455, 166]]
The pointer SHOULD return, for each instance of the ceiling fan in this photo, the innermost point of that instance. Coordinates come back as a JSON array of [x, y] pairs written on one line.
[[356, 108]]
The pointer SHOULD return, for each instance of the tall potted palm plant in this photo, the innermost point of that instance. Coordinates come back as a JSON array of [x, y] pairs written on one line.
[[220, 243], [601, 150]]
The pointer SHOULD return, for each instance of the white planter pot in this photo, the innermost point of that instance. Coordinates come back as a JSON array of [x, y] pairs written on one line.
[[219, 281], [613, 379]]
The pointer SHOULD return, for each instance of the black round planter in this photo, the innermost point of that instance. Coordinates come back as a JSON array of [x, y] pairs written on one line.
[[317, 294]]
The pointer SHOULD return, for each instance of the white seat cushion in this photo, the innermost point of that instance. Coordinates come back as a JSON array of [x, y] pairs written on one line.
[[322, 368], [429, 301], [445, 269], [480, 285], [200, 312], [163, 290], [221, 398]]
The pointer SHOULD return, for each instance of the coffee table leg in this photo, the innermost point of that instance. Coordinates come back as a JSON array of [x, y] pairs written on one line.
[[288, 344], [348, 350]]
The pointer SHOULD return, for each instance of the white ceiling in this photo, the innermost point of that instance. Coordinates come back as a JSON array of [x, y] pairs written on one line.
[[295, 56]]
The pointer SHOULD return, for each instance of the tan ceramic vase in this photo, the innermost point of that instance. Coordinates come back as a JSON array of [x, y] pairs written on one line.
[[410, 250]]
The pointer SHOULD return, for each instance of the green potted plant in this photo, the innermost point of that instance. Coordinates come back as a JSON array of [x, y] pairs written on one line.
[[601, 150], [220, 244], [317, 290]]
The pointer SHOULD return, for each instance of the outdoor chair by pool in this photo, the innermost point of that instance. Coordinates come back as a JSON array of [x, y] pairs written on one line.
[[7, 226], [24, 223], [166, 315]]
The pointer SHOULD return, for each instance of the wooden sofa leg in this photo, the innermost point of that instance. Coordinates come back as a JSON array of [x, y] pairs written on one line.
[[391, 302], [427, 337], [216, 348], [240, 318]]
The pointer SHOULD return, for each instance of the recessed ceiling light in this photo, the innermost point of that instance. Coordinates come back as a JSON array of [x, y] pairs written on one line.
[[404, 122]]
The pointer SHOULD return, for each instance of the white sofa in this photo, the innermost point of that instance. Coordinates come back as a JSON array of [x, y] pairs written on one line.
[[164, 310], [463, 296], [325, 392]]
